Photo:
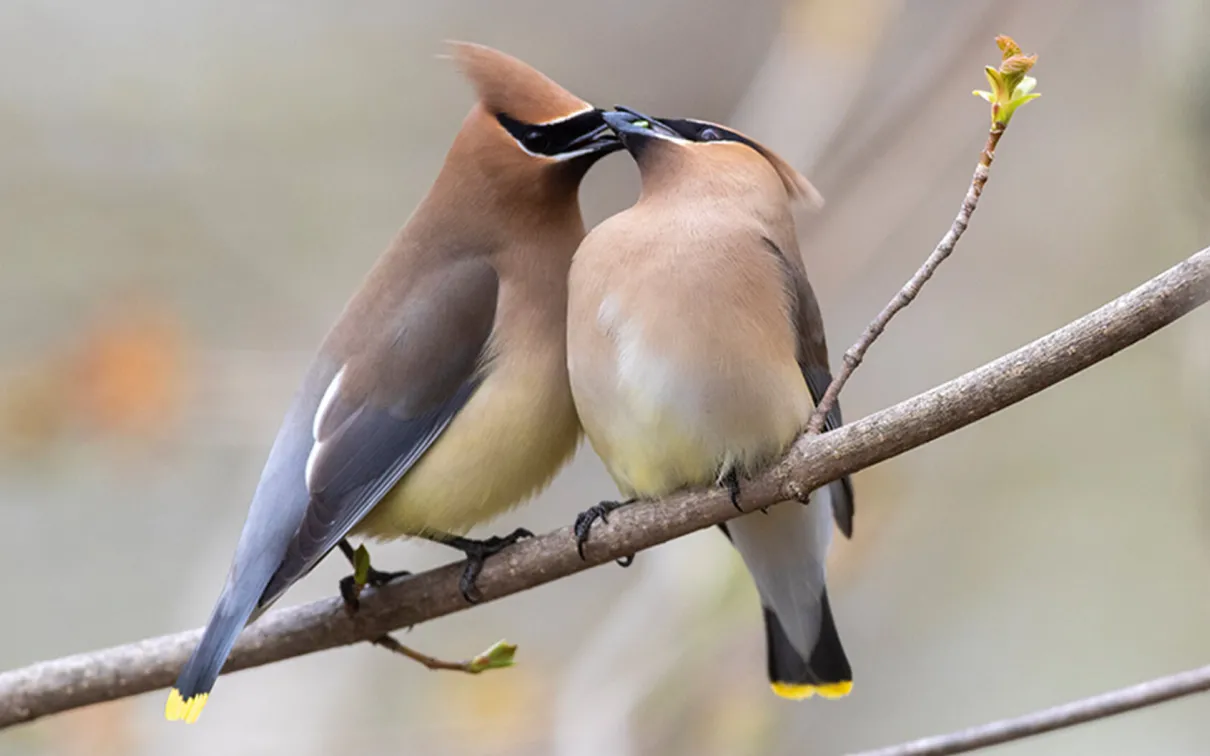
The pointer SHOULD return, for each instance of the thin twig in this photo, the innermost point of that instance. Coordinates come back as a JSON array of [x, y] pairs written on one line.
[[944, 248], [67, 683], [389, 643], [1065, 715]]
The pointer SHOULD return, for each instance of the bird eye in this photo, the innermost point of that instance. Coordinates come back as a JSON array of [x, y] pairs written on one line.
[[709, 134], [535, 140]]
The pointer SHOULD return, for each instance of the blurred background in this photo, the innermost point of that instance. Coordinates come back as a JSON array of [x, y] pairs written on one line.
[[189, 192]]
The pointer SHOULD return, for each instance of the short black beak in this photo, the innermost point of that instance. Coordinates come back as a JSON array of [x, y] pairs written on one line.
[[599, 140], [634, 128]]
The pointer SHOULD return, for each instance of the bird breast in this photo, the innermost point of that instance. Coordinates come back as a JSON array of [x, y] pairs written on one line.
[[679, 379]]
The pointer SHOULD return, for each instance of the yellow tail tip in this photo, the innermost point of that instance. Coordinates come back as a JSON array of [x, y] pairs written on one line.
[[836, 689], [793, 691], [801, 692], [184, 709]]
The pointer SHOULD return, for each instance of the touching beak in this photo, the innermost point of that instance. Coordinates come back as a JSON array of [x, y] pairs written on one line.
[[634, 128], [599, 140]]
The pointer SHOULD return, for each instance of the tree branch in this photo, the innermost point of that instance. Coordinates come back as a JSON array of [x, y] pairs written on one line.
[[1010, 89], [1056, 718], [814, 460], [856, 353], [499, 655]]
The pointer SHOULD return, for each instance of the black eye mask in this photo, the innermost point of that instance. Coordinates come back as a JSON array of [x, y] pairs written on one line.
[[554, 139], [700, 131]]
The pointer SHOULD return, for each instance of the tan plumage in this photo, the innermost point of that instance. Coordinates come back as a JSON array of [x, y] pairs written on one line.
[[695, 350], [440, 397], [525, 217], [507, 85], [690, 252]]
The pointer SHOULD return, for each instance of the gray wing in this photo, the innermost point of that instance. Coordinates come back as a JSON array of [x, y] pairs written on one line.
[[813, 361], [842, 490], [387, 404]]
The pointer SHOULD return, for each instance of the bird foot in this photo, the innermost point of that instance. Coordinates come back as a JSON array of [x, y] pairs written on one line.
[[585, 520], [364, 574], [730, 481], [477, 553]]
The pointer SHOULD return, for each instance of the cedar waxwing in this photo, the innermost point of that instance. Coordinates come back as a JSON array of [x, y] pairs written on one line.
[[440, 398], [696, 354]]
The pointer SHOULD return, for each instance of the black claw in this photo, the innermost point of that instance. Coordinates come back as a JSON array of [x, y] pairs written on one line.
[[625, 561], [350, 589], [731, 482], [585, 520], [496, 543], [477, 553], [378, 578], [466, 584]]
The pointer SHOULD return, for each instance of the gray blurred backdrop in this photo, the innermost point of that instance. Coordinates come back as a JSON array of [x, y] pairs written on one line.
[[190, 190]]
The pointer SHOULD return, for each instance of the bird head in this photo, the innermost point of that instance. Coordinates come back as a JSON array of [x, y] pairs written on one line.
[[666, 145], [525, 124]]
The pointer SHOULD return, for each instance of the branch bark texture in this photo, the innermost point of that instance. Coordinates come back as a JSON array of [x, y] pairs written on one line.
[[1056, 718], [74, 681]]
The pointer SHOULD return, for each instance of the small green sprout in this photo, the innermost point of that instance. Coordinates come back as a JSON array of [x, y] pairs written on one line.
[[1010, 86], [361, 565], [498, 656]]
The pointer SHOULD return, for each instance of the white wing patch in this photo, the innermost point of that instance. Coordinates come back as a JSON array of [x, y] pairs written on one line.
[[325, 404]]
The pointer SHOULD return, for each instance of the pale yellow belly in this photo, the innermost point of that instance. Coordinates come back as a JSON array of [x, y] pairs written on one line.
[[648, 461], [653, 443], [505, 445]]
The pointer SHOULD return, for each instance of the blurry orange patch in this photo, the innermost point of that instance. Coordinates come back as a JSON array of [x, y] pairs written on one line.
[[128, 373], [99, 730], [122, 374], [498, 711]]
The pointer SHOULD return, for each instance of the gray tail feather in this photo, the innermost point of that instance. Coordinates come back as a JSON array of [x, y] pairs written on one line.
[[827, 663], [785, 551], [277, 510], [230, 615]]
